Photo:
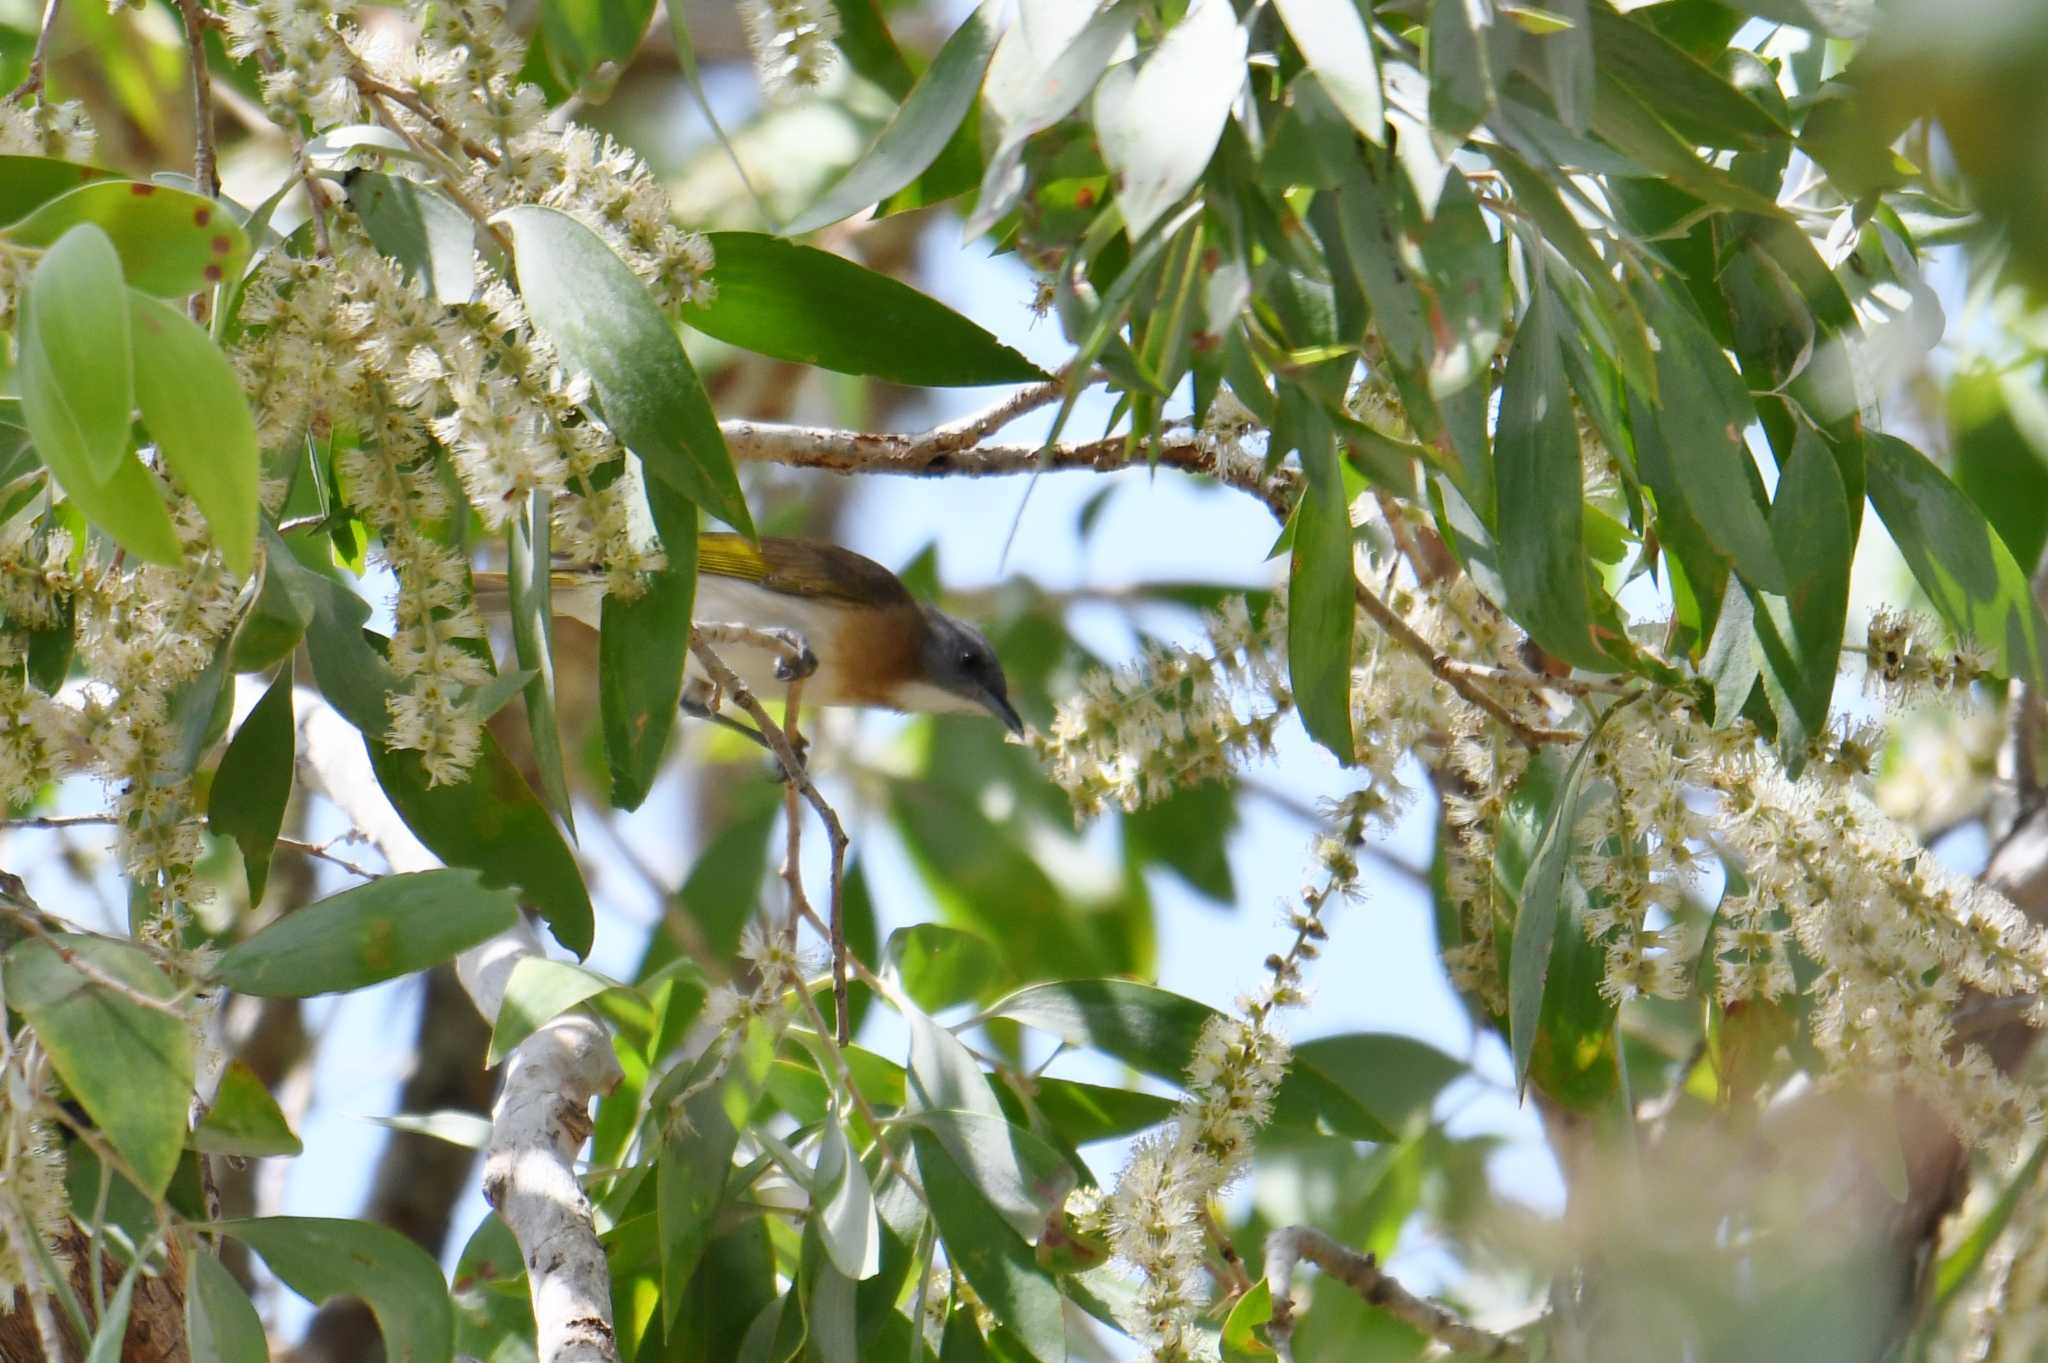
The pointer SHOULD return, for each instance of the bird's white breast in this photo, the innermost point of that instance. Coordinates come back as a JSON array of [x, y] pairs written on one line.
[[726, 600]]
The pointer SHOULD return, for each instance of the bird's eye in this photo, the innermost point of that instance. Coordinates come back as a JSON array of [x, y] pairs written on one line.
[[968, 662]]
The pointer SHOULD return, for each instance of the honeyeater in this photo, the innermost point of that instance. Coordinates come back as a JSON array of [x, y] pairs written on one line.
[[874, 642]]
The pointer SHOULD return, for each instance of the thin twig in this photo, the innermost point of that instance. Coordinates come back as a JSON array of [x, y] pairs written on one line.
[[1388, 619], [1539, 681], [34, 84], [1362, 1274], [321, 851], [971, 430], [205, 168], [410, 99], [779, 742]]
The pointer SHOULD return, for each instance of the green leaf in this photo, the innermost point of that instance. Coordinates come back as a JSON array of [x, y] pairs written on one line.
[[586, 35], [1252, 1310], [1399, 1076], [221, 1324], [1461, 89], [386, 928], [193, 405], [431, 239], [128, 1065], [1542, 497], [1188, 832], [585, 300], [1732, 659], [940, 966], [1021, 1176], [28, 182], [1800, 635], [918, 131], [1695, 100], [1082, 1113], [1046, 64], [244, 1120], [1568, 64], [944, 1073], [1703, 413], [492, 823], [1960, 1264], [530, 579], [643, 646], [79, 391], [1371, 213], [1958, 559], [170, 243], [254, 781], [319, 1259], [844, 1207], [864, 38], [1335, 43], [690, 1174], [808, 306], [1144, 1026], [539, 991], [1322, 605], [106, 1341], [1536, 914], [1158, 124], [997, 1263]]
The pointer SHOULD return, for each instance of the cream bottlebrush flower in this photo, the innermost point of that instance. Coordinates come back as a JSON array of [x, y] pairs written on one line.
[[1905, 659], [31, 1169], [792, 42]]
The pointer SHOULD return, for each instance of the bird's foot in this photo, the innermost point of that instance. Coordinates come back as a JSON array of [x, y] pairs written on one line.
[[797, 664]]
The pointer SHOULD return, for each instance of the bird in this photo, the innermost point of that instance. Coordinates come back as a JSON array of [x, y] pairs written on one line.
[[872, 641]]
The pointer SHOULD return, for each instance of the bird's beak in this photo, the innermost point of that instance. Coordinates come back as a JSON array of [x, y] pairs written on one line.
[[999, 705]]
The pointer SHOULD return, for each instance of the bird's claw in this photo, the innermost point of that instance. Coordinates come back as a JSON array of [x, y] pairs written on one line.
[[795, 668]]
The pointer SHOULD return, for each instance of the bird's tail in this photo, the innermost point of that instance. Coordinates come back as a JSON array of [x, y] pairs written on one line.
[[573, 595]]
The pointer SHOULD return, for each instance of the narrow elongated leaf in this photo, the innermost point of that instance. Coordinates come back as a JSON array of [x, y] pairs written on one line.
[[1148, 1028], [600, 318], [1321, 592], [1159, 124], [221, 1323], [1536, 914], [1703, 413], [373, 932], [1801, 634], [530, 577], [1461, 82], [1568, 62], [77, 386], [689, 1178], [1022, 1177], [244, 1120], [432, 239], [1370, 214], [254, 781], [1542, 517], [642, 647], [920, 129], [539, 991], [128, 1065], [845, 1207], [1732, 659], [1958, 559], [809, 306], [1044, 66], [944, 1074], [1081, 1113], [995, 1260], [169, 242], [1334, 41], [106, 1341], [319, 1258], [1697, 101], [196, 413]]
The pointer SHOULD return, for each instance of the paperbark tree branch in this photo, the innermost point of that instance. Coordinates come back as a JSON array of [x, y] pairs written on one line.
[[1362, 1274]]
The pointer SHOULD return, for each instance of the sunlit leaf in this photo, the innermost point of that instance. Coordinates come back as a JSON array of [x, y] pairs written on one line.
[[320, 1258]]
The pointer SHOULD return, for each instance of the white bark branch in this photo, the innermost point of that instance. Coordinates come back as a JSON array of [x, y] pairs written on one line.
[[543, 1113], [1362, 1274]]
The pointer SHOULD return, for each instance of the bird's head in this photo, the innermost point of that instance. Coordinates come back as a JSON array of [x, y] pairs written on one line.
[[957, 673]]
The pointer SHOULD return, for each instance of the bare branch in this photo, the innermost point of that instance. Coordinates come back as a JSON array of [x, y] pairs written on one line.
[[1362, 1274], [205, 170], [941, 452]]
